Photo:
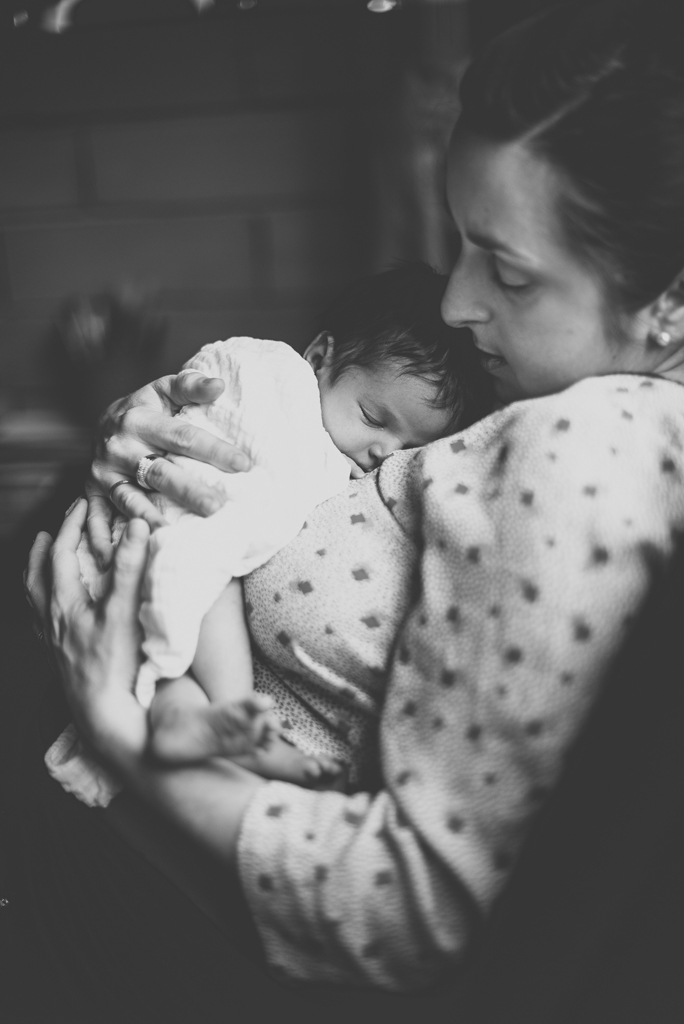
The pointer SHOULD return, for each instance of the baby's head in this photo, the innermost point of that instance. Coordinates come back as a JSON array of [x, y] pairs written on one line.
[[391, 373]]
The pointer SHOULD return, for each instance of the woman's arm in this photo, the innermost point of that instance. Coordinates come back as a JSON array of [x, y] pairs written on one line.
[[144, 423], [537, 548], [97, 650]]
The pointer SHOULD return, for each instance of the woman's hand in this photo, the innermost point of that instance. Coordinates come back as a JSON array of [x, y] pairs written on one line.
[[97, 648], [96, 645], [142, 424]]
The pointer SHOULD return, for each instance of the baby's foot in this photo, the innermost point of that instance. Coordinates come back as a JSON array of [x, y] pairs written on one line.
[[279, 759], [229, 729], [248, 733]]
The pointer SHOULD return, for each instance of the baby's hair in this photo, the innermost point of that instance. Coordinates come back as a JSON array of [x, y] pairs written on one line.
[[395, 316]]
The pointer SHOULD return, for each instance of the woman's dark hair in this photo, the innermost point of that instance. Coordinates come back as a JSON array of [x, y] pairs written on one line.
[[395, 315], [598, 91]]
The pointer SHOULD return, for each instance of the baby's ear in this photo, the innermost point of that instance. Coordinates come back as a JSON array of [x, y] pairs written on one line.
[[320, 351]]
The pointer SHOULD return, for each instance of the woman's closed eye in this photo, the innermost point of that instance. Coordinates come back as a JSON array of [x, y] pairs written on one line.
[[509, 277]]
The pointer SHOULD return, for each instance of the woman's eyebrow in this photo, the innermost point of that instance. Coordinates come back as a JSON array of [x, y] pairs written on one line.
[[485, 241]]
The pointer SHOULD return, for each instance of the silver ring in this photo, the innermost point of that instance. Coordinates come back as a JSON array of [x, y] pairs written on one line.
[[123, 480], [143, 469]]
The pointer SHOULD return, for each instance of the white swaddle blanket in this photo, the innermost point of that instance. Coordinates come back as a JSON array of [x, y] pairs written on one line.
[[270, 408]]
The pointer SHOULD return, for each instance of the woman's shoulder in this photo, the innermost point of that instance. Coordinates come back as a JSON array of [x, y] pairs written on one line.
[[625, 395], [602, 435], [617, 387], [594, 408], [625, 430]]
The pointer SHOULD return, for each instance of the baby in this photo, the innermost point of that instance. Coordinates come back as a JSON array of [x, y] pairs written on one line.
[[384, 373]]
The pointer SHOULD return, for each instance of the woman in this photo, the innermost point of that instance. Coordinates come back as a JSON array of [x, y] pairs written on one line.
[[537, 528]]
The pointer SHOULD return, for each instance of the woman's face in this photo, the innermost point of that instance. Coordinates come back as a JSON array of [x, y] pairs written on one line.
[[537, 312]]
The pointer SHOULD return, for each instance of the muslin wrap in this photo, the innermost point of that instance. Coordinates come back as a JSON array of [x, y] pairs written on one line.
[[271, 409]]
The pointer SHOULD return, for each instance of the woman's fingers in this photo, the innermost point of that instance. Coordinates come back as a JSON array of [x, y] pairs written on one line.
[[129, 566], [193, 387], [180, 437], [37, 578], [144, 423], [67, 587], [181, 486], [164, 433], [134, 503], [143, 432], [37, 582], [99, 523]]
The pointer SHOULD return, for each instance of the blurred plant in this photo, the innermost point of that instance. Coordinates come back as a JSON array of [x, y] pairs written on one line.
[[84, 329], [58, 18], [102, 347]]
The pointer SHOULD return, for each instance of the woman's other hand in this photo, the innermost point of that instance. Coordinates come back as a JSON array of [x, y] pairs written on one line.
[[97, 648], [96, 645], [142, 424]]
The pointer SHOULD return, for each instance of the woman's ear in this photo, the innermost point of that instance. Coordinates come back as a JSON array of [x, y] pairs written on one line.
[[319, 353], [666, 315]]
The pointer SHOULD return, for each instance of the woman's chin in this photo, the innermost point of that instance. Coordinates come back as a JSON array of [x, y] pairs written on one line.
[[506, 391]]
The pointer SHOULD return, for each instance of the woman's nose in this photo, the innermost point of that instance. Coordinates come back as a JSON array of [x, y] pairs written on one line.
[[461, 304]]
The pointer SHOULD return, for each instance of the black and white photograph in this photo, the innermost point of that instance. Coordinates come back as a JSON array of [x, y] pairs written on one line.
[[341, 511]]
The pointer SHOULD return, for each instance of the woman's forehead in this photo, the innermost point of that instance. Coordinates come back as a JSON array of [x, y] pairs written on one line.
[[503, 192]]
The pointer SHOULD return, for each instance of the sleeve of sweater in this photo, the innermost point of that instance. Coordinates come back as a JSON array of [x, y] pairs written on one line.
[[539, 537]]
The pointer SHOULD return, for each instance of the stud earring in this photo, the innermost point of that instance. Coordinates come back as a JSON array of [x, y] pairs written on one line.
[[660, 338]]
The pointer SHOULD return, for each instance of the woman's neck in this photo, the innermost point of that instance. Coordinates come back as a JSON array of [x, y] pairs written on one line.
[[672, 366]]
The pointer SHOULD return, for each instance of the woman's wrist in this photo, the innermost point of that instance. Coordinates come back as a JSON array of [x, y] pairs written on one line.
[[114, 726]]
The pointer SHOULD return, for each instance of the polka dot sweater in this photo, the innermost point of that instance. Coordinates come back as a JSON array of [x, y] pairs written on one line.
[[324, 618], [536, 532]]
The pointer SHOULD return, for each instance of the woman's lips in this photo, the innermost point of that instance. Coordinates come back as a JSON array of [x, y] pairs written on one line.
[[491, 363]]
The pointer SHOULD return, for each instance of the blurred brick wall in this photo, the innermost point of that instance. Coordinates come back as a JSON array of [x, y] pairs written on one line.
[[216, 166]]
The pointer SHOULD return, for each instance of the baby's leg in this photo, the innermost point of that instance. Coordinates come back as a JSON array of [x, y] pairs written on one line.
[[181, 716], [223, 660], [222, 716], [187, 727]]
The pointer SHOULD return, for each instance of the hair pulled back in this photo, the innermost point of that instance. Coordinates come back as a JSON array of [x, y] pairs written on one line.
[[598, 91]]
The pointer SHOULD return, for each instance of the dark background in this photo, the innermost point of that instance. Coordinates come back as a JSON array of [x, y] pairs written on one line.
[[170, 176]]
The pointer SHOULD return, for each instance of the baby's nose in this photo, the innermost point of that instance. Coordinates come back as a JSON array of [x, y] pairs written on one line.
[[379, 451]]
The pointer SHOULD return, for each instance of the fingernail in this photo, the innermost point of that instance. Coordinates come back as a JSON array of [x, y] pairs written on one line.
[[241, 464], [73, 505]]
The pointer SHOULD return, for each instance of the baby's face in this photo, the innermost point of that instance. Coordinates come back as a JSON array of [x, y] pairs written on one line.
[[372, 412]]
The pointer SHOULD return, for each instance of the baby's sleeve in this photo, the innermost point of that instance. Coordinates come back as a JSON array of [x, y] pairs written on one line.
[[538, 550]]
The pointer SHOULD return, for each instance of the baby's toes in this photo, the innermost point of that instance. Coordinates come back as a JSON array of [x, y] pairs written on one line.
[[241, 726], [326, 772]]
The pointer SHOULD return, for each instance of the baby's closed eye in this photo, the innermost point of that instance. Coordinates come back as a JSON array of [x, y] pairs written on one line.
[[371, 420]]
